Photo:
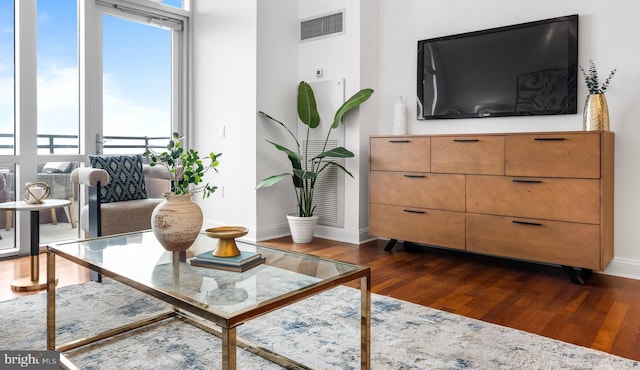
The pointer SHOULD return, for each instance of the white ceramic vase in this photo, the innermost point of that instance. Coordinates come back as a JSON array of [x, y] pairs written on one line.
[[399, 118], [176, 221], [302, 228]]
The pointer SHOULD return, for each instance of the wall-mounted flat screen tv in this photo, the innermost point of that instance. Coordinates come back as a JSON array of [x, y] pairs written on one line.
[[519, 70]]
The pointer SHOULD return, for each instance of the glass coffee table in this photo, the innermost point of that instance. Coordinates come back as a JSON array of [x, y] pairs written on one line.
[[208, 296]]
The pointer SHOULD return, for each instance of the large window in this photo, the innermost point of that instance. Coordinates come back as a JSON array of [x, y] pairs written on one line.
[[105, 69], [174, 3], [136, 85], [58, 117], [7, 116], [143, 93], [58, 128], [6, 77]]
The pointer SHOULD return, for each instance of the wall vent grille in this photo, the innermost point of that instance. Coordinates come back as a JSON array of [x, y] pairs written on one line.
[[328, 25], [327, 194]]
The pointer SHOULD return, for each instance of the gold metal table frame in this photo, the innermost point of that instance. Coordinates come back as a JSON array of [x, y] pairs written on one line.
[[33, 281], [99, 254]]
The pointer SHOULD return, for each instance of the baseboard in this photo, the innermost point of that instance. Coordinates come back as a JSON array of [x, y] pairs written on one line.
[[271, 232], [343, 235], [623, 268], [322, 231]]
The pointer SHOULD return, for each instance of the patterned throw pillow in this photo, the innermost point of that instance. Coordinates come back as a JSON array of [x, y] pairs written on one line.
[[127, 179]]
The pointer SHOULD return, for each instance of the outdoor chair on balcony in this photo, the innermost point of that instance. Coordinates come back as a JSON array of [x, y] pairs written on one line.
[[3, 182], [54, 174]]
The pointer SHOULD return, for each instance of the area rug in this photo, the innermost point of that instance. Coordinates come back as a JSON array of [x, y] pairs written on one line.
[[321, 332]]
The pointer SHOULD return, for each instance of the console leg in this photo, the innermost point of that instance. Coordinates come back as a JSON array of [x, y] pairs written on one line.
[[576, 275], [390, 244], [95, 276]]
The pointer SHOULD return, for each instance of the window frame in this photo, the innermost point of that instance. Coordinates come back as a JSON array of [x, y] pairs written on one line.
[[175, 19], [89, 18]]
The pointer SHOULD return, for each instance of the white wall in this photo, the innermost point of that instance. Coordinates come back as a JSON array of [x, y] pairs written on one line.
[[340, 58], [607, 31], [245, 60], [224, 70], [278, 32], [368, 112]]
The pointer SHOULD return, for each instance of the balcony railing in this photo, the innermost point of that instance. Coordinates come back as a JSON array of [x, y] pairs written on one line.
[[68, 144]]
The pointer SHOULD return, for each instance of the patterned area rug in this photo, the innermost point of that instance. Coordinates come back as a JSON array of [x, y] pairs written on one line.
[[321, 332]]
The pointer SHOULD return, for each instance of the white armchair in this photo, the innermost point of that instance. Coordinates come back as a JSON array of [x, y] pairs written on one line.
[[118, 201], [99, 218]]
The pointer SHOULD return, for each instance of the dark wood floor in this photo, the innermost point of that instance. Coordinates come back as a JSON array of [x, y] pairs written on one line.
[[603, 314]]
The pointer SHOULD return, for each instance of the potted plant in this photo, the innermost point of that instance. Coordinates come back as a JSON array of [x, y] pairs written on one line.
[[176, 221], [305, 170], [596, 112], [186, 167]]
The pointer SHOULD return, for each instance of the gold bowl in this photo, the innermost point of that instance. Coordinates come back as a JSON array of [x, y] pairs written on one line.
[[226, 239]]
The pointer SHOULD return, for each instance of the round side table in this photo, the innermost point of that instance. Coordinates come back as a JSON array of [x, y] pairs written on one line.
[[33, 282]]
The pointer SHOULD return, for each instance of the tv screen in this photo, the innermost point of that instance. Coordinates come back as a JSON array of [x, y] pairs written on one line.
[[524, 69]]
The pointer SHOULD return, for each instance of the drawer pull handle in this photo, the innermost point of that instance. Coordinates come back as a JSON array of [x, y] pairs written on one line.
[[415, 176], [465, 140], [528, 181], [549, 139], [399, 141], [412, 211], [526, 223]]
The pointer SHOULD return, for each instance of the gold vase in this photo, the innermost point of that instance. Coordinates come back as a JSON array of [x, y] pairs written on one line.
[[596, 113]]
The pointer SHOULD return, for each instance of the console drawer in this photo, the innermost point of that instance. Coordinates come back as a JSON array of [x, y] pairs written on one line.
[[554, 155], [423, 190], [400, 153], [576, 200], [482, 154], [562, 243], [426, 226]]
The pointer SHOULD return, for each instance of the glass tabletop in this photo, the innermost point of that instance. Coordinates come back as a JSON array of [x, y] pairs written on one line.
[[138, 260]]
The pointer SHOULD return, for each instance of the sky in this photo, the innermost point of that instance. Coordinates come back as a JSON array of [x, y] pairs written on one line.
[[136, 75]]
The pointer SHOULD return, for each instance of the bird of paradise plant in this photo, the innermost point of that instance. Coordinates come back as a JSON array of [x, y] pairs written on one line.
[[304, 170]]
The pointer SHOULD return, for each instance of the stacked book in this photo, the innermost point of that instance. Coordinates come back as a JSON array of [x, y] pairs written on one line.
[[242, 262]]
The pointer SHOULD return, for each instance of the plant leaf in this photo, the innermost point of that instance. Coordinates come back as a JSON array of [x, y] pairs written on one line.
[[357, 99], [296, 161], [271, 180], [328, 163], [339, 152], [283, 125], [288, 151], [307, 109], [305, 175], [296, 164]]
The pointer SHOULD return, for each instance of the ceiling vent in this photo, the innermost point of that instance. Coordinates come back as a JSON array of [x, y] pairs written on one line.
[[323, 26]]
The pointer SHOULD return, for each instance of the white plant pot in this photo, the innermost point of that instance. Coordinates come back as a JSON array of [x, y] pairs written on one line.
[[302, 228]]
